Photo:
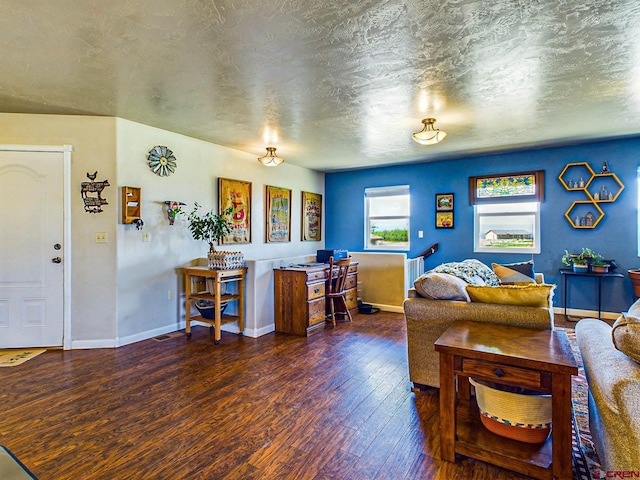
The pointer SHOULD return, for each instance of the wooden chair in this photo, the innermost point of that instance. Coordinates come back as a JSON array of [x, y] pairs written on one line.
[[335, 289]]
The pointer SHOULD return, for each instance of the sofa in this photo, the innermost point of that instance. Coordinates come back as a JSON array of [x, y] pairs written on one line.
[[611, 358], [441, 296]]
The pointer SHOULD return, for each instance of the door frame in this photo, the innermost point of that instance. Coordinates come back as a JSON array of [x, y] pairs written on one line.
[[66, 241]]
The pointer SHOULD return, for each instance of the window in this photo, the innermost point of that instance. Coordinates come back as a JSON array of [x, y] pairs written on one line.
[[506, 211], [386, 218], [507, 227]]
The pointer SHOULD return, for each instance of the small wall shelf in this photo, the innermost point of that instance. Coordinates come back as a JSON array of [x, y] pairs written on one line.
[[131, 204], [598, 188]]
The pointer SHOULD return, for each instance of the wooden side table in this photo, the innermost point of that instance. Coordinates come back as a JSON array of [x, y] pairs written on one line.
[[539, 360], [219, 277]]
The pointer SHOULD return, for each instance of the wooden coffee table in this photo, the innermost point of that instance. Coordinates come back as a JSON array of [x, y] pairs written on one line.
[[540, 360]]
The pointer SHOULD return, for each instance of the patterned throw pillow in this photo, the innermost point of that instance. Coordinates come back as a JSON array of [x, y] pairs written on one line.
[[472, 271], [515, 273], [626, 336]]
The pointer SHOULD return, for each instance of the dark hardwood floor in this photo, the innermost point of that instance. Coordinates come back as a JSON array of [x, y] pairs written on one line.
[[337, 405]]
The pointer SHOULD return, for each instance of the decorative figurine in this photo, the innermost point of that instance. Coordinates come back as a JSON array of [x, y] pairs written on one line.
[[605, 167], [589, 219], [173, 209]]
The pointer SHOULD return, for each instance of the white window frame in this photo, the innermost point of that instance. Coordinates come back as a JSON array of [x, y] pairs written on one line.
[[525, 213], [377, 192]]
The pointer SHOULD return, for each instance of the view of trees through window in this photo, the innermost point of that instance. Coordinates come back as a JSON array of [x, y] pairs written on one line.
[[387, 218]]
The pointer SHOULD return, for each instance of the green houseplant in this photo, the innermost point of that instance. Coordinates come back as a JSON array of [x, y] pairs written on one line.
[[599, 265], [580, 261], [210, 227]]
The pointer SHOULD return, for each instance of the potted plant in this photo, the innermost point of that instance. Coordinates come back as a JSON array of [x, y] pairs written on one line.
[[599, 265], [579, 261], [210, 227], [634, 276]]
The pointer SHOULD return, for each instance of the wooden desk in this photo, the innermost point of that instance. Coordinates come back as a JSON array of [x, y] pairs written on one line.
[[219, 277], [540, 360], [299, 297]]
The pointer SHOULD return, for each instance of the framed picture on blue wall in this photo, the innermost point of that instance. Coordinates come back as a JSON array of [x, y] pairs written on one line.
[[444, 202], [444, 219]]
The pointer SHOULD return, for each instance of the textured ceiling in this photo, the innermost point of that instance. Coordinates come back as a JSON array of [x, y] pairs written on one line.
[[343, 84]]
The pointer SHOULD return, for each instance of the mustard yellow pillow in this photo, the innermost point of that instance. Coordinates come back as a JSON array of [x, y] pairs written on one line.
[[532, 295]]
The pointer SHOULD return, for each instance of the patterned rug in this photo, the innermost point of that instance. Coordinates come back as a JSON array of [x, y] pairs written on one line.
[[586, 465]]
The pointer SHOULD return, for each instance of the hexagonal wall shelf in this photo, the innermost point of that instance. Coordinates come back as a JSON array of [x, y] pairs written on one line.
[[597, 187]]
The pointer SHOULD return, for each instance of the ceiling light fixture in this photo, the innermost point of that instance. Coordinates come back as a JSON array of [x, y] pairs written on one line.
[[271, 159], [429, 135]]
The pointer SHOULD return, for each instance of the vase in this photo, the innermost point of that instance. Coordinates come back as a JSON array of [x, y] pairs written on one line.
[[634, 276]]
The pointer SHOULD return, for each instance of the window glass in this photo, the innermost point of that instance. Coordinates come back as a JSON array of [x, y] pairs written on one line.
[[507, 227], [387, 218]]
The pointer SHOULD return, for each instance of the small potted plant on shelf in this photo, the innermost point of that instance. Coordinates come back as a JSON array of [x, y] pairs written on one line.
[[580, 261], [599, 265]]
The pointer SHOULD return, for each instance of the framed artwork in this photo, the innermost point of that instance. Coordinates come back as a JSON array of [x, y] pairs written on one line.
[[507, 187], [444, 202], [277, 214], [236, 193], [311, 217], [444, 219]]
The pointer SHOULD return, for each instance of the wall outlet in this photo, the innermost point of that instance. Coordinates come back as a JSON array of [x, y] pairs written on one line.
[[146, 236], [101, 237], [420, 234], [171, 294]]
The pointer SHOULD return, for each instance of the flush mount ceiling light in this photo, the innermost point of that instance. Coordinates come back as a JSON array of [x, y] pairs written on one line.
[[429, 135], [271, 159]]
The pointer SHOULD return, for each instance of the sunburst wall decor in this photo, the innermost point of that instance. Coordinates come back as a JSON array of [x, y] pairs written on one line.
[[161, 160]]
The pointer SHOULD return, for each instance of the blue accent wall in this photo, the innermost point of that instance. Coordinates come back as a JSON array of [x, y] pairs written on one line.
[[615, 237]]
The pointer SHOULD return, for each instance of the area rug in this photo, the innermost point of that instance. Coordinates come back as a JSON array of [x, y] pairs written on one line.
[[586, 465], [12, 358]]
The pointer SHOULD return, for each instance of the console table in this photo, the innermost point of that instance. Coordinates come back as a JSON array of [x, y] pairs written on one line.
[[219, 277], [540, 360], [568, 272]]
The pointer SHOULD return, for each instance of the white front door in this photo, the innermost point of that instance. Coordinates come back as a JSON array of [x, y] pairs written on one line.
[[31, 249]]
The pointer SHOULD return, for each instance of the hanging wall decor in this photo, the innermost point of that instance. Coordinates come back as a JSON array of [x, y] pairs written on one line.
[[278, 214], [311, 217], [236, 194], [92, 193], [173, 209], [161, 160]]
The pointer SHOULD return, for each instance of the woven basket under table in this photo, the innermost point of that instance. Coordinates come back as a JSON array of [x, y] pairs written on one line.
[[520, 416]]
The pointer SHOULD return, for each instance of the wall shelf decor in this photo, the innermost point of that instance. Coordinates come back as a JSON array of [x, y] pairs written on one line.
[[598, 188], [131, 204], [92, 193]]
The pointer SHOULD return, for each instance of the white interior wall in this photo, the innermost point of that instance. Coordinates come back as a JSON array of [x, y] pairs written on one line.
[[119, 289], [93, 266], [146, 270]]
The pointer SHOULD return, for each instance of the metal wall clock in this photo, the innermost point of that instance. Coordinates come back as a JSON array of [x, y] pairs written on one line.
[[161, 161]]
